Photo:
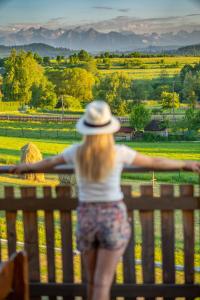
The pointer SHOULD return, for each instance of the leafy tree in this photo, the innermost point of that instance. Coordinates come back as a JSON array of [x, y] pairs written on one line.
[[55, 76], [74, 59], [43, 94], [77, 83], [2, 62], [159, 90], [189, 89], [192, 119], [141, 89], [38, 58], [1, 81], [58, 58], [24, 81], [83, 55], [107, 54], [22, 71], [186, 69], [91, 66], [115, 89], [169, 100], [46, 60], [140, 117], [135, 54], [70, 103]]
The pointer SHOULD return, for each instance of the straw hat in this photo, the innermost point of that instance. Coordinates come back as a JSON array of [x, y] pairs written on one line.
[[97, 120]]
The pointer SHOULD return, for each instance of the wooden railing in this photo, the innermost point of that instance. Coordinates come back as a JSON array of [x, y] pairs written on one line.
[[47, 118], [14, 278], [146, 204]]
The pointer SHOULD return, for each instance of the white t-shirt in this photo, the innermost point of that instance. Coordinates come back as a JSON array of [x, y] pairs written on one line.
[[107, 190]]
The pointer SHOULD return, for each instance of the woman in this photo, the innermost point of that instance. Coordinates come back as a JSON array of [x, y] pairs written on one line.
[[103, 230]]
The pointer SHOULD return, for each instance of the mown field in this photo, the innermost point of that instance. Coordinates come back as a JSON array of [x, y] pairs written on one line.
[[143, 74], [136, 68]]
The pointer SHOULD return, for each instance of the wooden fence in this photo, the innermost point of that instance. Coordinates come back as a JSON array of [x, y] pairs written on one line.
[[47, 118], [65, 205]]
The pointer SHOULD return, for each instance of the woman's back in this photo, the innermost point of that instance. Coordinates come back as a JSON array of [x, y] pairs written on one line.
[[107, 189]]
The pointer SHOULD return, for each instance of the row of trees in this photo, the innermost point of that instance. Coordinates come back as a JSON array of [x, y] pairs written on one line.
[[25, 80]]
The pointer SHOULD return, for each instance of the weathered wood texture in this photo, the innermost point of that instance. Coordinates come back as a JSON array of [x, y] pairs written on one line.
[[14, 278]]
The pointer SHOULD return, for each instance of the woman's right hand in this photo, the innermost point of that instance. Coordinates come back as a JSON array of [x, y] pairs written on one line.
[[193, 166], [18, 169]]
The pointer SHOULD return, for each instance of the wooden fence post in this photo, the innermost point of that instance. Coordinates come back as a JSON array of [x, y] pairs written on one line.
[[148, 255], [168, 239]]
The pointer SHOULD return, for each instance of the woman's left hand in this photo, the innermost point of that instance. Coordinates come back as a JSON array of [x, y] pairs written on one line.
[[18, 169]]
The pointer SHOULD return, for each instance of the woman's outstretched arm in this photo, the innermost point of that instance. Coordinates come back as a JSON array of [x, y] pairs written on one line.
[[40, 166], [165, 163]]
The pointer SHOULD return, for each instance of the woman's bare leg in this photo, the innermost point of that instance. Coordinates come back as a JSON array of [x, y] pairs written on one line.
[[89, 260], [107, 261]]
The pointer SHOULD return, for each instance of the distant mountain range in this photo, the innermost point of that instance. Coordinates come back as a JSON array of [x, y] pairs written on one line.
[[189, 50], [95, 41], [41, 49]]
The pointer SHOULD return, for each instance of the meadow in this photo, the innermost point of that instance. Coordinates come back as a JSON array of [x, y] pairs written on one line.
[[142, 74], [137, 68], [51, 138]]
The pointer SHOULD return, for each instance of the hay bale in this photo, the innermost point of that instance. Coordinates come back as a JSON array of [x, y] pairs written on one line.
[[31, 154]]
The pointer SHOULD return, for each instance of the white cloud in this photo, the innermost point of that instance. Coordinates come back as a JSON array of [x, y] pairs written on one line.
[[141, 26], [122, 23]]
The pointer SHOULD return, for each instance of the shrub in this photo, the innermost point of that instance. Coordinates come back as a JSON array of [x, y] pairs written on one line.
[[140, 117]]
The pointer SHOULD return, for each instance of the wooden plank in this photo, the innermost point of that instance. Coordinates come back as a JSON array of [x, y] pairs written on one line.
[[137, 203], [83, 275], [11, 223], [45, 203], [50, 240], [31, 236], [147, 222], [168, 239], [66, 236], [129, 255], [188, 230], [20, 280], [6, 278], [120, 290]]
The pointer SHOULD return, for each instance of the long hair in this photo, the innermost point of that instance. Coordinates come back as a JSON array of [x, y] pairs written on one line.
[[96, 157]]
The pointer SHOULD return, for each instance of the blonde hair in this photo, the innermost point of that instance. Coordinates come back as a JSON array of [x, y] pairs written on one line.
[[96, 157]]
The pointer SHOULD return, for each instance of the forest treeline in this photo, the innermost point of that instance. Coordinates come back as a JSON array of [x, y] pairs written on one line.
[[31, 80]]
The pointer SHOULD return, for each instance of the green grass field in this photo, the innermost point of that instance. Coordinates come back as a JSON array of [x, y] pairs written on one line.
[[52, 138]]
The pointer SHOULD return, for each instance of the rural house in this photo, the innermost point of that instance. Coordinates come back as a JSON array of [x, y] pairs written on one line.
[[157, 127]]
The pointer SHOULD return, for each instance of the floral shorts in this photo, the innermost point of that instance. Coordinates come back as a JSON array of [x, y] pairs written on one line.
[[103, 225]]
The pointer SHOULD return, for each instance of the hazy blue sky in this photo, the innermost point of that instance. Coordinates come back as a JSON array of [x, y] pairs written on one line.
[[74, 12]]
